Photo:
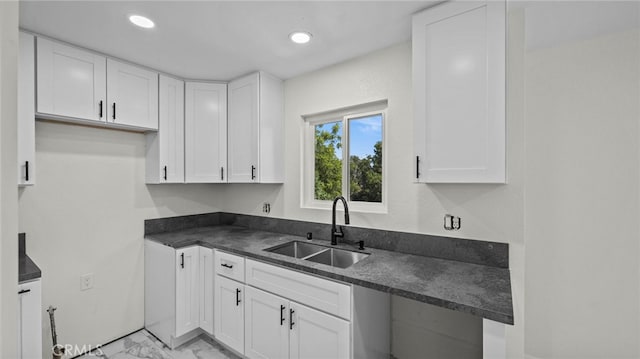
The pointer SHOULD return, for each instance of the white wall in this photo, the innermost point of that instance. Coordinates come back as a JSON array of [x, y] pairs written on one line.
[[582, 189], [85, 215], [8, 175]]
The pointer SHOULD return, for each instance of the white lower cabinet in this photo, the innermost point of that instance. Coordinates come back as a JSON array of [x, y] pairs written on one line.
[[266, 325], [187, 290], [178, 292], [30, 321], [317, 335], [260, 310], [278, 328], [206, 289], [229, 313]]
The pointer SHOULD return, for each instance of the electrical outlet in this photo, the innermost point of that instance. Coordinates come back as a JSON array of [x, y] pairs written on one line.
[[452, 222], [266, 207], [86, 281]]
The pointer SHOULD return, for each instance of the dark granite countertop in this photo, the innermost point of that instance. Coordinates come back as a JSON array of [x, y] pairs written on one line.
[[27, 270], [480, 290]]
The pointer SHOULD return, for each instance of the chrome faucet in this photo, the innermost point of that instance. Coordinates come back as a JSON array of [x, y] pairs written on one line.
[[337, 231]]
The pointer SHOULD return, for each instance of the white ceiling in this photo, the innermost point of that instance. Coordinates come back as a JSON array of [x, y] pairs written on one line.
[[221, 40]]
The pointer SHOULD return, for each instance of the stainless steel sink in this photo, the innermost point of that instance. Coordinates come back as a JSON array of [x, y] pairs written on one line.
[[338, 257], [335, 257], [296, 249]]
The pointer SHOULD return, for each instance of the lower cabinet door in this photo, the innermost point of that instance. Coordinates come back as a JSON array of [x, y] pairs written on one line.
[[229, 313], [187, 290], [315, 334], [30, 321], [206, 289], [266, 326]]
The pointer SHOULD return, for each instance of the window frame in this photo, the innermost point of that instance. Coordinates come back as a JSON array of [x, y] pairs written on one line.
[[307, 187]]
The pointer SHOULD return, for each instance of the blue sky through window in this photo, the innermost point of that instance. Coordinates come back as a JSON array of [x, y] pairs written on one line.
[[364, 132]]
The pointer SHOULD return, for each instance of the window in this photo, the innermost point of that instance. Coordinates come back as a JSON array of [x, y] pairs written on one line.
[[344, 156]]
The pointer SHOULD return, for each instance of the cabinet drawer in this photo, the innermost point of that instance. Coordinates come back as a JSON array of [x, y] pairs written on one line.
[[230, 265], [322, 294]]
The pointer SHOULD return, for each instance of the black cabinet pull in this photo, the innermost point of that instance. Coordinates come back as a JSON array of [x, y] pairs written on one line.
[[291, 323], [24, 291], [282, 314], [417, 166], [227, 265], [26, 171], [114, 111], [253, 170], [221, 173], [100, 113], [238, 297], [182, 260], [165, 173]]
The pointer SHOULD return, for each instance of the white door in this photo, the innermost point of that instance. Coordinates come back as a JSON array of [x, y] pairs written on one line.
[[71, 82], [229, 313], [30, 321], [26, 110], [206, 289], [244, 121], [315, 334], [459, 92], [266, 325], [132, 93], [187, 290], [205, 132], [170, 134]]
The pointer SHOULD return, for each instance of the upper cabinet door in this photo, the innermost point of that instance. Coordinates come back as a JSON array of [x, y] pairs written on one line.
[[205, 132], [71, 82], [244, 125], [132, 93], [26, 111], [165, 148], [459, 93]]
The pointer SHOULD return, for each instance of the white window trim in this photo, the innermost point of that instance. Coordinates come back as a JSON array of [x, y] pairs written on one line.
[[307, 158]]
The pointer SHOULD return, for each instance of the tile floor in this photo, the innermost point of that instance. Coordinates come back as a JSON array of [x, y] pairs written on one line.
[[141, 344]]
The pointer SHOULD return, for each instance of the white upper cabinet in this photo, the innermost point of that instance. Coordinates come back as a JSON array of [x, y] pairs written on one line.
[[205, 132], [132, 93], [78, 85], [256, 120], [459, 93], [165, 148], [71, 82], [26, 110]]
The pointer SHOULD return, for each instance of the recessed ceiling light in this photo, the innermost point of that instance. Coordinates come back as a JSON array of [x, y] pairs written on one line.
[[141, 21], [300, 37]]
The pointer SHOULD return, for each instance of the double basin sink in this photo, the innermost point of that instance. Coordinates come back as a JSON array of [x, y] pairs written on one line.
[[334, 257]]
